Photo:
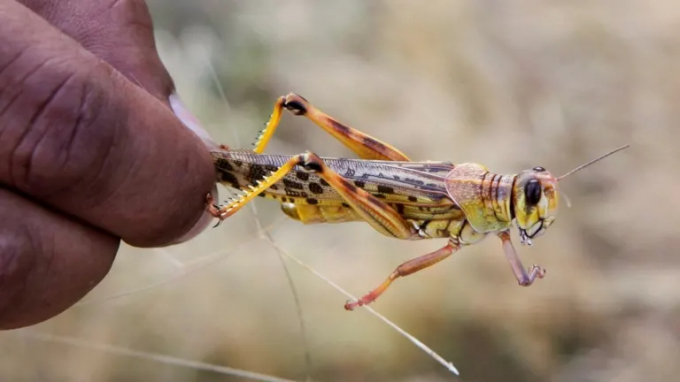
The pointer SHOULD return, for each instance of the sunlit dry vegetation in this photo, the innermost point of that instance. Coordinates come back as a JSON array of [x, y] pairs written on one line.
[[511, 85]]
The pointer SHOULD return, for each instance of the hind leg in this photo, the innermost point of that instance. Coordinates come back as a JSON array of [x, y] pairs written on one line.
[[362, 144]]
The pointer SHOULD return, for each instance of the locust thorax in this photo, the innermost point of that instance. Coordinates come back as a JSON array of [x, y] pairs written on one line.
[[535, 197]]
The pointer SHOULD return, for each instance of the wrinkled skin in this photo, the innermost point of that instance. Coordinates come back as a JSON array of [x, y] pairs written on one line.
[[90, 151]]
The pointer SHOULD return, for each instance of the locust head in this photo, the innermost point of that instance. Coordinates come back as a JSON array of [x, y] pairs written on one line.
[[535, 197]]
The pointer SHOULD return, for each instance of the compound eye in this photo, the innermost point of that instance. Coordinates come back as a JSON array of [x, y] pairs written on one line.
[[539, 169], [532, 191]]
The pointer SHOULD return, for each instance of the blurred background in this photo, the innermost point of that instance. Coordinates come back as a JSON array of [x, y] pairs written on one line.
[[511, 85]]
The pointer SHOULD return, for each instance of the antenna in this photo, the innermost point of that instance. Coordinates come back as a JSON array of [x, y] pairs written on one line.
[[581, 167]]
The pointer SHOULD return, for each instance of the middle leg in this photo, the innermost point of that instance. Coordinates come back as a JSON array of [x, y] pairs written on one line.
[[405, 269]]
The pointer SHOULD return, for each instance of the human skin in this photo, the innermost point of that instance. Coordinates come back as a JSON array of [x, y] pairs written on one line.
[[90, 151]]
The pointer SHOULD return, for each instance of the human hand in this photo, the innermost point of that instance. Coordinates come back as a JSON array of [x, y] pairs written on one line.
[[90, 151]]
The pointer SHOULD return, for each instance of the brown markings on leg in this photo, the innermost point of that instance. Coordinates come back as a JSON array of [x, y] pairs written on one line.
[[362, 144]]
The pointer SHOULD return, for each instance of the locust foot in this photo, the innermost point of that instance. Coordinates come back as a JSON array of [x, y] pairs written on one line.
[[536, 271]]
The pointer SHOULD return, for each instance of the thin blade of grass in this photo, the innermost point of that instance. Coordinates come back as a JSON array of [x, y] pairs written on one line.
[[219, 256], [448, 365], [165, 359]]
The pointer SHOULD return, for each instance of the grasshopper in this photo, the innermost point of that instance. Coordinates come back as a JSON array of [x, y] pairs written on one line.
[[399, 198]]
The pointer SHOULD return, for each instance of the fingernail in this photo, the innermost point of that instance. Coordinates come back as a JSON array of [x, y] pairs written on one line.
[[190, 120]]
